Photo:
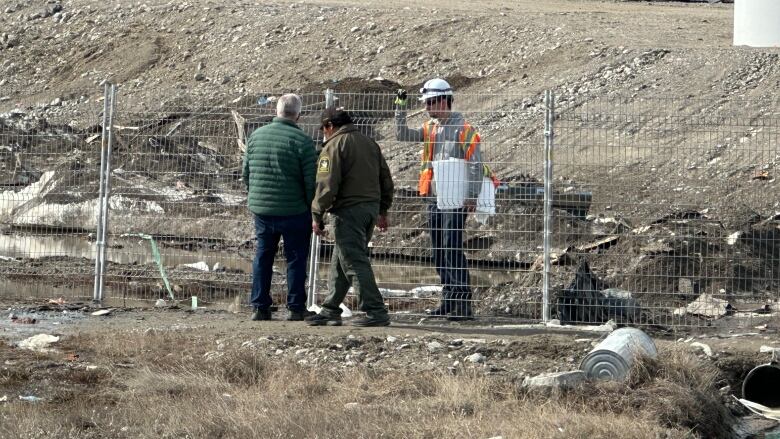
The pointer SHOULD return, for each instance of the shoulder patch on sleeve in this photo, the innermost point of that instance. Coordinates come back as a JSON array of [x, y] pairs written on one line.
[[323, 167]]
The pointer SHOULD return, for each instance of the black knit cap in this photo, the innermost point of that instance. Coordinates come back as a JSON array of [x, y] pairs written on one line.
[[336, 116]]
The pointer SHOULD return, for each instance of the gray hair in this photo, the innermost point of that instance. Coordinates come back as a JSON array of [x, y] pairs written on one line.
[[289, 106]]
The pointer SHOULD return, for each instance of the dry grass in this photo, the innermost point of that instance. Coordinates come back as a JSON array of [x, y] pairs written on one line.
[[174, 392], [676, 390]]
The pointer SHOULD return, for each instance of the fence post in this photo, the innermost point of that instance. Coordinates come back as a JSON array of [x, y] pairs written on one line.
[[104, 191], [549, 119], [314, 246]]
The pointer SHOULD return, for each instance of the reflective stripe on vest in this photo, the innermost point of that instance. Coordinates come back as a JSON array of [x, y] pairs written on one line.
[[426, 167]]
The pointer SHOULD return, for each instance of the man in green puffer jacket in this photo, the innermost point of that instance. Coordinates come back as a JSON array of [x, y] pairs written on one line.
[[279, 173]]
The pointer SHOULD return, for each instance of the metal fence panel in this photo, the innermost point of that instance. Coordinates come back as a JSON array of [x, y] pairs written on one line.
[[681, 229], [49, 161], [660, 211]]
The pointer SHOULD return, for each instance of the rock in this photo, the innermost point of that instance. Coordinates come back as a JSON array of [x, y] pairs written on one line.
[[199, 76], [434, 346], [391, 339], [476, 358], [555, 380], [351, 406], [703, 347], [685, 286]]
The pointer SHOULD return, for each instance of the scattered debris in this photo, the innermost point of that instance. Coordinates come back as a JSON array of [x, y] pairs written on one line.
[[589, 300], [614, 356], [702, 347], [761, 410], [200, 266], [555, 380], [23, 320], [603, 243], [103, 312], [706, 306], [30, 398], [39, 343], [761, 174]]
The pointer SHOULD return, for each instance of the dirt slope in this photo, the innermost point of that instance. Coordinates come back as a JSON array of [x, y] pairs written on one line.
[[155, 50]]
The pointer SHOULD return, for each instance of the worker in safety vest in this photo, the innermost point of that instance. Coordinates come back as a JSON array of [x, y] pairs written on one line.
[[445, 135]]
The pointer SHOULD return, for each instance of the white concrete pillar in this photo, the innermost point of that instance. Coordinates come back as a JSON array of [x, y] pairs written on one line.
[[757, 23]]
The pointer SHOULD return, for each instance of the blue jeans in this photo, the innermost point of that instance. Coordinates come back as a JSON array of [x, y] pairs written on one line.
[[296, 231], [446, 227]]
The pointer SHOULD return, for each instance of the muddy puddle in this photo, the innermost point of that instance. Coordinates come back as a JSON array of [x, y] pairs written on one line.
[[20, 323], [394, 275]]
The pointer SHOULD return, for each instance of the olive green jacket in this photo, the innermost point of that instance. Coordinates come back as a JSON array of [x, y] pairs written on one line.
[[351, 170]]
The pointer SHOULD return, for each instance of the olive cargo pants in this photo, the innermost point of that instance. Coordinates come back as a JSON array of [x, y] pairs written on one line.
[[349, 264]]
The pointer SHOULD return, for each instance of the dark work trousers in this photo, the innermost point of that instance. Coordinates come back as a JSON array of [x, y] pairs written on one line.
[[446, 227], [296, 231], [349, 264]]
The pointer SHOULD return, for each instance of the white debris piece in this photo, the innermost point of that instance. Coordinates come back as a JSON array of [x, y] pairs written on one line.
[[200, 266], [706, 306], [425, 291], [703, 347], [39, 343]]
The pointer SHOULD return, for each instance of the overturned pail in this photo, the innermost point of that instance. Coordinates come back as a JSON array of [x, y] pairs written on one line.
[[612, 358], [762, 385]]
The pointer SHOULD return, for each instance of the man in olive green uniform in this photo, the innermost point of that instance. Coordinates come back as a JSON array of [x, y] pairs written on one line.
[[354, 185]]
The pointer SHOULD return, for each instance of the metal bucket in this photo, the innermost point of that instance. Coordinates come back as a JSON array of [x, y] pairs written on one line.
[[762, 385], [612, 358]]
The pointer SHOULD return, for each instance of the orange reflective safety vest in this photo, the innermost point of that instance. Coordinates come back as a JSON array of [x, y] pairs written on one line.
[[468, 141]]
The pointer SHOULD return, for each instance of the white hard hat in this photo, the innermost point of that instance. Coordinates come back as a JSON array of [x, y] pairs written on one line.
[[435, 87]]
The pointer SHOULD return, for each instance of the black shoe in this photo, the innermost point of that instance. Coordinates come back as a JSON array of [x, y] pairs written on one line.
[[297, 316], [261, 314], [321, 320], [371, 321]]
